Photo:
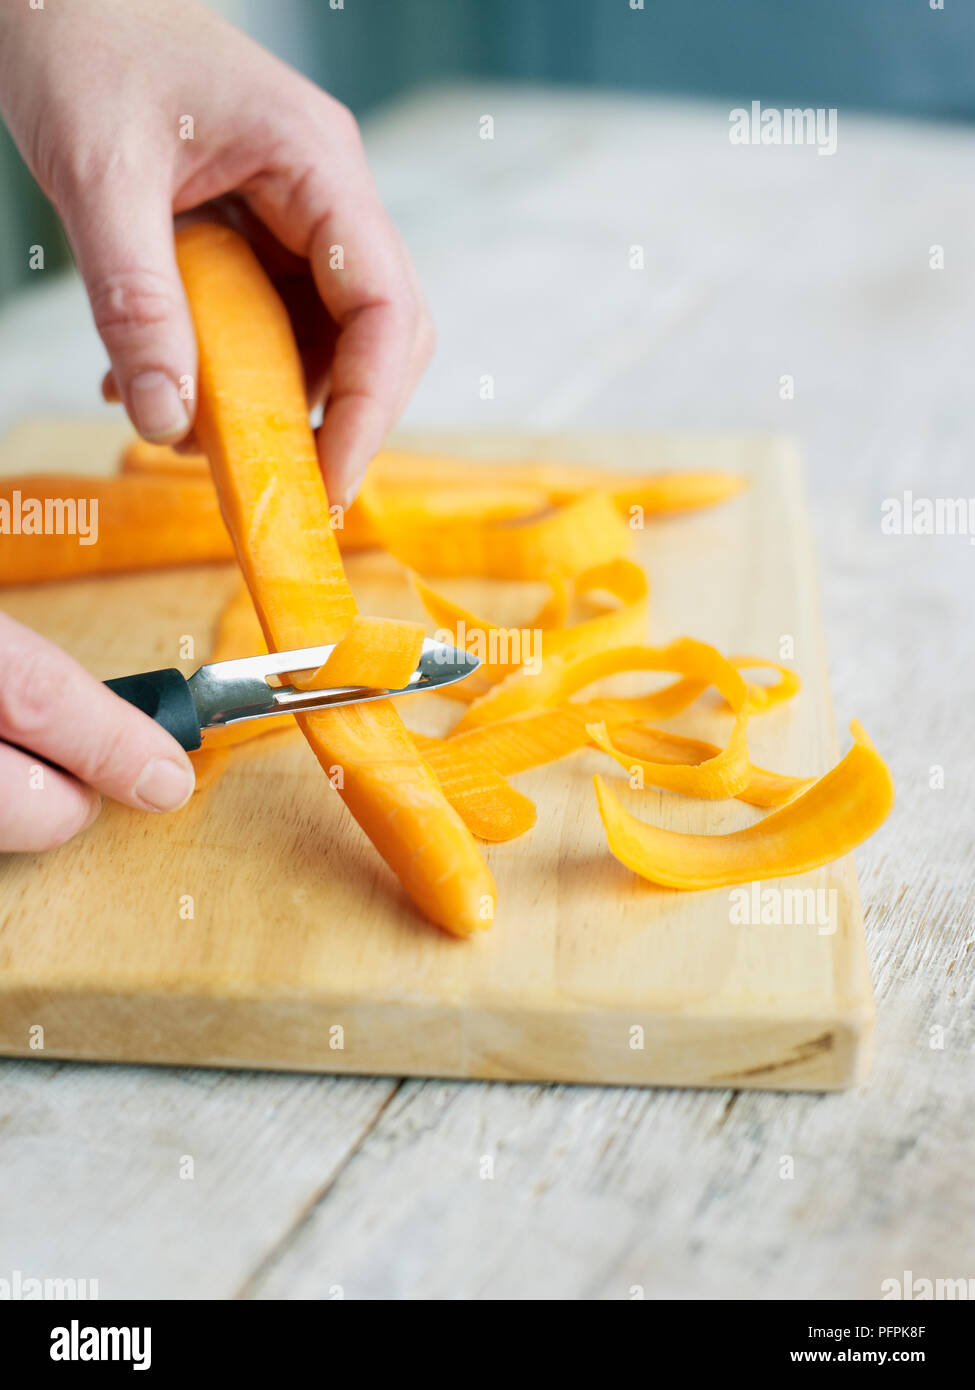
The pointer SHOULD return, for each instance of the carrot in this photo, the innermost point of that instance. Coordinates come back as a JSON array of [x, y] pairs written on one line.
[[351, 525], [481, 489], [562, 541], [62, 526], [253, 422], [139, 456], [397, 498], [381, 652], [832, 817]]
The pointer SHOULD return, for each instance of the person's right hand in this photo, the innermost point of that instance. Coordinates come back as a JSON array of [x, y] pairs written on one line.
[[53, 711]]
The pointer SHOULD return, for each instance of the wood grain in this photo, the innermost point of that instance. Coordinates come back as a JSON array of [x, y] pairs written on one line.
[[759, 263], [299, 931]]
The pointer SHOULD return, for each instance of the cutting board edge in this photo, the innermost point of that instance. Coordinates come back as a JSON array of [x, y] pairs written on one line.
[[767, 1049]]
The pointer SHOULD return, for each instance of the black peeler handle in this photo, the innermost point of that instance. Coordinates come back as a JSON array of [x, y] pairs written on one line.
[[165, 697]]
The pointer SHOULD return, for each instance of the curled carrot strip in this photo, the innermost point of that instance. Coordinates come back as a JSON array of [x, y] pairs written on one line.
[[518, 693], [673, 492], [619, 626], [511, 652], [724, 774], [380, 652], [727, 772], [564, 482], [554, 612], [566, 540], [685, 691], [560, 678], [527, 741], [520, 744], [834, 816], [500, 649], [488, 805], [763, 697], [764, 788], [398, 502]]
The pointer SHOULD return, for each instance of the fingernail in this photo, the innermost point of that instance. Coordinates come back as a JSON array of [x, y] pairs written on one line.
[[165, 785], [156, 406], [346, 493], [92, 816]]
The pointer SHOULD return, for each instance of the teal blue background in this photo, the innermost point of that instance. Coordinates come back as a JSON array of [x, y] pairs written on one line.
[[882, 55], [896, 56]]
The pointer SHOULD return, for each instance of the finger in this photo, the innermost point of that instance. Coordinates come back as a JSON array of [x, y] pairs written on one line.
[[40, 807], [365, 392], [378, 319], [122, 236], [189, 444], [53, 707], [360, 270]]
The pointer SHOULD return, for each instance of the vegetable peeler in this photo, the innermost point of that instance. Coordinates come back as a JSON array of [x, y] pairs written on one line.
[[229, 692]]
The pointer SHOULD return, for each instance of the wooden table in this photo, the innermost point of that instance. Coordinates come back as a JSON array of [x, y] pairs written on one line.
[[761, 263]]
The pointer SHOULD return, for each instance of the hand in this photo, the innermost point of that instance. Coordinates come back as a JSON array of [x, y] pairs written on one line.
[[101, 96], [52, 709]]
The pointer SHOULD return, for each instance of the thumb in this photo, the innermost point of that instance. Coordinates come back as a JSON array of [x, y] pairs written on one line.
[[122, 238]]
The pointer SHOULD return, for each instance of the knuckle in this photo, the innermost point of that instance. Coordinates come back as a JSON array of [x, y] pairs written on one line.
[[88, 175], [29, 691], [342, 122], [129, 301], [308, 127]]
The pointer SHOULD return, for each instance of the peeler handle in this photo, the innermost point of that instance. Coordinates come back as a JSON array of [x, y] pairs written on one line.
[[165, 697]]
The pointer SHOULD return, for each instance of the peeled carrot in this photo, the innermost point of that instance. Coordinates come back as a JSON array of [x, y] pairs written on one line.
[[351, 525], [253, 421], [139, 456], [434, 483], [62, 526], [563, 482]]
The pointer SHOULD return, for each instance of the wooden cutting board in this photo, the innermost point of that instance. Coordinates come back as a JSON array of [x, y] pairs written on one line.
[[301, 951]]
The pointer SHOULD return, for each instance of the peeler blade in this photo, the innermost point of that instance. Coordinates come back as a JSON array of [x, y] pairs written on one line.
[[229, 692]]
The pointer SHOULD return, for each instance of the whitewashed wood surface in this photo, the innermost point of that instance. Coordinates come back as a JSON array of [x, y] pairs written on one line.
[[760, 263]]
